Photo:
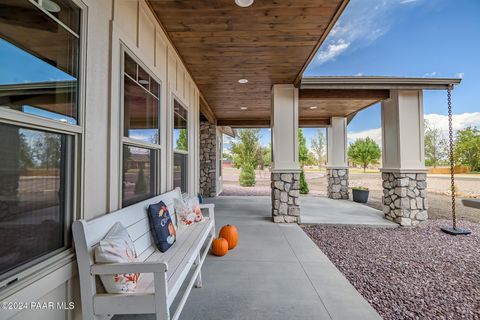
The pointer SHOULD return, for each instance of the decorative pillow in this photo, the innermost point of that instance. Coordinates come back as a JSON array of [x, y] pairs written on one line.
[[163, 230], [184, 213], [194, 207], [117, 246]]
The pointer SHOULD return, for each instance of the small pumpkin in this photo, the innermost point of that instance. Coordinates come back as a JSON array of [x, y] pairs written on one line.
[[229, 233], [219, 247]]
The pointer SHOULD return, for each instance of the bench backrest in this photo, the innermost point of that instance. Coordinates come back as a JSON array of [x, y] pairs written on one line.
[[87, 234]]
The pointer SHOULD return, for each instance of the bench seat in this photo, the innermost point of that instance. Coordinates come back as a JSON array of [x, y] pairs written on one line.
[[167, 272]]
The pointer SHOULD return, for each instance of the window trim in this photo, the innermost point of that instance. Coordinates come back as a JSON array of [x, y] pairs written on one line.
[[24, 277], [158, 148]]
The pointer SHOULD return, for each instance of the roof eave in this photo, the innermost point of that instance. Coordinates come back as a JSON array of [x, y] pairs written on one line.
[[391, 83]]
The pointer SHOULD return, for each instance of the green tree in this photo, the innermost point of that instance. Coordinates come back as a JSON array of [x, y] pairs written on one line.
[[365, 152], [182, 141], [467, 148], [302, 158], [435, 146], [25, 153], [244, 150], [141, 183], [267, 155], [247, 176], [318, 146]]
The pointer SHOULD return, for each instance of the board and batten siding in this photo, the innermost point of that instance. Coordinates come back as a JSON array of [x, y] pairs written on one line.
[[112, 26]]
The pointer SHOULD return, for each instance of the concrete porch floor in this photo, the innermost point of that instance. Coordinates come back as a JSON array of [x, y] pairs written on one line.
[[275, 272], [321, 210]]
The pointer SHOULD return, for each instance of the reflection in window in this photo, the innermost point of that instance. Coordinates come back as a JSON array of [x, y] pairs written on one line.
[[141, 103], [138, 181], [180, 171], [35, 171], [180, 127], [39, 59]]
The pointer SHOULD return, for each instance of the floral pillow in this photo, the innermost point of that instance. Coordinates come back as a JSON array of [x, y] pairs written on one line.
[[117, 246], [188, 210]]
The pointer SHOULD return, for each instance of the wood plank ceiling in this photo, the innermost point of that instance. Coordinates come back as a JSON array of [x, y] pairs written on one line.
[[270, 42]]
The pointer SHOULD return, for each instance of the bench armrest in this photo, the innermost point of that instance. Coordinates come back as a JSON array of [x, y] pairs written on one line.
[[128, 267], [210, 207]]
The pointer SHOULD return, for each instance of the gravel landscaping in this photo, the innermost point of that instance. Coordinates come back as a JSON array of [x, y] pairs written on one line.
[[409, 273]]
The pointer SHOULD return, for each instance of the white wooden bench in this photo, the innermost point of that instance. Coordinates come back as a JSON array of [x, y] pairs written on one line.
[[162, 273]]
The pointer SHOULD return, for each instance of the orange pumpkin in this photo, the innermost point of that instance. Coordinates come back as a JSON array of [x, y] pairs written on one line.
[[219, 247], [229, 233]]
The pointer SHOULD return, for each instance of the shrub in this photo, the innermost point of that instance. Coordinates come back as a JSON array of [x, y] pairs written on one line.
[[303, 183], [247, 176]]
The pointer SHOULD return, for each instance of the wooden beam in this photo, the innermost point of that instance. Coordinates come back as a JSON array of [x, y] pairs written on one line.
[[314, 122], [331, 24], [206, 110], [345, 94], [244, 123]]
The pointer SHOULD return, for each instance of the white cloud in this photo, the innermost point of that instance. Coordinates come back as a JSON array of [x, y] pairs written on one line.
[[430, 74], [459, 121], [332, 50], [375, 134], [459, 75], [361, 23], [359, 74], [440, 121], [407, 1]]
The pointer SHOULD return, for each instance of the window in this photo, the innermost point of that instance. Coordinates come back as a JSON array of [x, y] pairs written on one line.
[[180, 143], [141, 133], [39, 78]]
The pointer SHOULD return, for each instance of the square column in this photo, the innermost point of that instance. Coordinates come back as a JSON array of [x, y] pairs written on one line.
[[285, 176], [403, 158], [337, 160]]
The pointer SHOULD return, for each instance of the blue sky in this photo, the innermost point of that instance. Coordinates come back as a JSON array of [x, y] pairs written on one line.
[[413, 38]]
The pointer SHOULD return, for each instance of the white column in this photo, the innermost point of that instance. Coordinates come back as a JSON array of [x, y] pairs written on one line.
[[337, 160], [403, 131], [285, 167], [285, 128], [403, 158], [337, 143]]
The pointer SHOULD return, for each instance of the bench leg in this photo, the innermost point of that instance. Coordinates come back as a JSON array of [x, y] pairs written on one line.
[[162, 311], [198, 281]]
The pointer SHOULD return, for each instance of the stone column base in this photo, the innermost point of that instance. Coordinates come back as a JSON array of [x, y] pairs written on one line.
[[337, 184], [405, 197], [285, 193]]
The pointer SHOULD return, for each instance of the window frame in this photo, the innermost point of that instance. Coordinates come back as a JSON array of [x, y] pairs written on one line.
[[174, 150], [20, 277], [157, 148]]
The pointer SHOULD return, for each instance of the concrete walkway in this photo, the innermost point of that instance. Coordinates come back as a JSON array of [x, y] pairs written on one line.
[[321, 210], [276, 272]]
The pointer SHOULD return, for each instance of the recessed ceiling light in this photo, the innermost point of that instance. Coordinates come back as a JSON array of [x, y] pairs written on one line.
[[313, 108], [50, 6], [244, 3], [243, 81], [143, 81], [243, 108]]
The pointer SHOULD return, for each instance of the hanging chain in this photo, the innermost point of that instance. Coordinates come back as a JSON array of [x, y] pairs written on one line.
[[452, 160]]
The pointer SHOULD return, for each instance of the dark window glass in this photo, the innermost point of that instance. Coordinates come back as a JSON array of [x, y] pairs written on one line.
[[141, 106], [138, 181], [35, 171], [141, 119], [39, 59], [180, 171], [65, 11], [130, 67], [180, 127]]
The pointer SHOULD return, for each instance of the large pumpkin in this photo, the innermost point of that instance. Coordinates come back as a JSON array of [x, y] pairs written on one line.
[[229, 233], [219, 247]]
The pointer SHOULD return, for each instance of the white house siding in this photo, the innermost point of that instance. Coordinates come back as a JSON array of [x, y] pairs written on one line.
[[111, 24]]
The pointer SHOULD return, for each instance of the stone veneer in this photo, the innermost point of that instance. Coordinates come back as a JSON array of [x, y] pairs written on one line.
[[285, 197], [337, 184], [208, 159], [405, 197]]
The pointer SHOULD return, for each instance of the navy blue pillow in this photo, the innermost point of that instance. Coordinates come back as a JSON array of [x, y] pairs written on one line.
[[163, 231]]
